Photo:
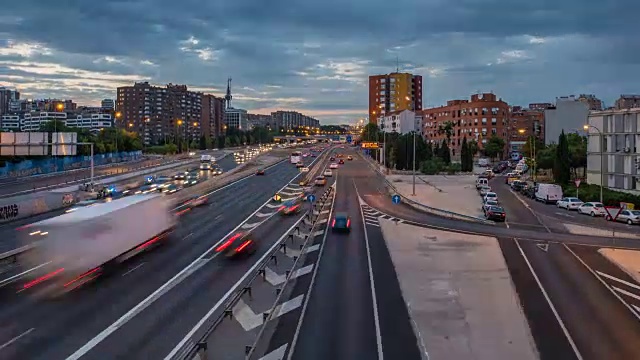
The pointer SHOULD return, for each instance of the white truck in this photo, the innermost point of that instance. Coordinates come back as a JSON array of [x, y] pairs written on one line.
[[206, 162], [74, 248]]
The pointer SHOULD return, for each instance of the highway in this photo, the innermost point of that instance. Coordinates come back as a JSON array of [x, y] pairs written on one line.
[[8, 241], [12, 187], [57, 329]]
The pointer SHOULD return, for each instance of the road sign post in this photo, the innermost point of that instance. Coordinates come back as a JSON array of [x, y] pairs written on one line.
[[395, 199], [577, 182]]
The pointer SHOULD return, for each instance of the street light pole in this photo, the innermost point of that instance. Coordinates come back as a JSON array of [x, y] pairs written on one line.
[[601, 140], [414, 163]]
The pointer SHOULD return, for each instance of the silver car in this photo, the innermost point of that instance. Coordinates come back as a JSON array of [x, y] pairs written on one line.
[[629, 216]]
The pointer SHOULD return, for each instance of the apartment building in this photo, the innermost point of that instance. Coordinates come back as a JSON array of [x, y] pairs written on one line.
[[627, 102], [7, 98], [620, 146], [524, 123], [160, 113], [260, 120], [479, 118], [108, 104], [93, 122], [394, 92], [236, 118], [568, 115], [402, 122], [593, 103], [32, 121], [292, 119], [212, 122]]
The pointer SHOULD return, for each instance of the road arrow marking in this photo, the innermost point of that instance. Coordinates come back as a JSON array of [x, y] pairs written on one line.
[[277, 354], [250, 225], [288, 306], [273, 206], [297, 253], [264, 215], [323, 221], [289, 199], [543, 246], [290, 193]]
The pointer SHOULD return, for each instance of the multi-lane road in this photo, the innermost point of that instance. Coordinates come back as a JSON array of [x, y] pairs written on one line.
[[348, 302]]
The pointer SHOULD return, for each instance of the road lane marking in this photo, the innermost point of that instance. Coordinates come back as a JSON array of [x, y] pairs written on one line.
[[133, 269], [273, 206], [8, 343], [546, 296], [376, 317], [277, 354], [249, 226], [261, 215], [618, 280]]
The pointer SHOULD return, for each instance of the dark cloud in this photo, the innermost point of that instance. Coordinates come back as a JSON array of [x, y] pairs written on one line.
[[315, 56]]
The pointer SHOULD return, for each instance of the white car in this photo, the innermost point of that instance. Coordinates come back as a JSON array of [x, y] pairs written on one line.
[[490, 196], [328, 173], [569, 203], [484, 190], [333, 166], [593, 209], [304, 170], [488, 204]]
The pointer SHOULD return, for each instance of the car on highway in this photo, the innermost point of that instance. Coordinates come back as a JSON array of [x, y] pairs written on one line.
[[170, 189], [495, 213], [332, 159], [320, 181], [328, 173], [341, 162], [349, 157], [593, 208], [291, 207], [196, 201], [341, 223], [333, 166], [260, 172], [487, 204], [216, 170], [304, 169], [569, 203], [630, 217], [490, 196], [241, 243], [180, 176], [299, 164]]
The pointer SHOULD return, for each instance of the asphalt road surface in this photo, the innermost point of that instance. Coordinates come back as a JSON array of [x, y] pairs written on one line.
[[57, 329]]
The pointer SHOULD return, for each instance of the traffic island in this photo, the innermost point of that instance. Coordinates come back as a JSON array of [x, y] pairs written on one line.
[[459, 294]]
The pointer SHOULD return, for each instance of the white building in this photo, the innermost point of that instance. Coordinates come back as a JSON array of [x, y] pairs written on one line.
[[403, 122], [236, 118], [34, 120], [10, 123], [93, 122], [621, 134], [569, 115]]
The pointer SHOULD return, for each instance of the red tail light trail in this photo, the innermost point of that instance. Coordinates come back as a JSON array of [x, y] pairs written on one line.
[[41, 279], [244, 245]]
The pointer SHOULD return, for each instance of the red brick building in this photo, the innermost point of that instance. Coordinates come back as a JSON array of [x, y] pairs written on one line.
[[528, 120], [477, 119]]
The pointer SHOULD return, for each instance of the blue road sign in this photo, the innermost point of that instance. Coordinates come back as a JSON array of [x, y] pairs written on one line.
[[395, 199], [349, 139], [311, 198]]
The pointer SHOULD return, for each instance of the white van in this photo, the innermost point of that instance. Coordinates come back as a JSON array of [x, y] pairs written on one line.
[[480, 182], [549, 193]]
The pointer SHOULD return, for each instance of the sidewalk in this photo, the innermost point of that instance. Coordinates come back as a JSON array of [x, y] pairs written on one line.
[[459, 294], [588, 230], [627, 260], [454, 193]]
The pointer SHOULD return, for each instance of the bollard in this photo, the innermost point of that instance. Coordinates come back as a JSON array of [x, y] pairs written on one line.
[[247, 349], [295, 258], [247, 290], [301, 246], [265, 316], [228, 313], [275, 259], [291, 237], [298, 229], [278, 291], [306, 237], [286, 274], [263, 273]]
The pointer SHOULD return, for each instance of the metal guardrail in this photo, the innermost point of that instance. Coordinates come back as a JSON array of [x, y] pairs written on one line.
[[435, 211], [199, 349], [15, 252]]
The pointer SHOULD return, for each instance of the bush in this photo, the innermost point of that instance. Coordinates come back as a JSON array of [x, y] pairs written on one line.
[[162, 149], [588, 192], [431, 167]]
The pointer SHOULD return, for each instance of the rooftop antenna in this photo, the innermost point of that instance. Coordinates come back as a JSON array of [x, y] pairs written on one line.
[[228, 96], [397, 64]]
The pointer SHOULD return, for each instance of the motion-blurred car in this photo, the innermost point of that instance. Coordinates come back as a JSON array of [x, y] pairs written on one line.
[[304, 169], [341, 162], [321, 181], [241, 243], [180, 176], [196, 201], [332, 159], [300, 164], [328, 173], [216, 170], [495, 213], [291, 207], [260, 172], [333, 166], [349, 157], [341, 223]]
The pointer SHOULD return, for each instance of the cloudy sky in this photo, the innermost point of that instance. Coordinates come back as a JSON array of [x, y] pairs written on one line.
[[315, 56]]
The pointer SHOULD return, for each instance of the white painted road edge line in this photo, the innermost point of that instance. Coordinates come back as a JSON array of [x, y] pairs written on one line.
[[162, 289], [553, 308], [634, 312], [8, 343], [233, 288], [374, 300], [313, 279]]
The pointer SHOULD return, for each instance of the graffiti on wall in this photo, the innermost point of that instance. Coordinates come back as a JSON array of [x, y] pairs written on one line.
[[8, 211]]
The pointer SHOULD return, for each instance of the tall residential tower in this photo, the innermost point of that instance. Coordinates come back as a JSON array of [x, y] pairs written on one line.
[[394, 92]]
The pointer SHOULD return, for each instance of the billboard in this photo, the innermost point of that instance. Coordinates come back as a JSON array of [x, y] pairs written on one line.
[[369, 145], [64, 138], [23, 144]]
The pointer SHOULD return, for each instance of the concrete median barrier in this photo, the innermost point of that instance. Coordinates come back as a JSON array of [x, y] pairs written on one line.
[[24, 206]]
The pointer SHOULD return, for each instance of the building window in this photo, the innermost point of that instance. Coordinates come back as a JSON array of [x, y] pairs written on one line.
[[493, 121]]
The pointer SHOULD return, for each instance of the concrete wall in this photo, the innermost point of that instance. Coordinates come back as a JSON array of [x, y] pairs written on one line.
[[569, 115], [19, 207]]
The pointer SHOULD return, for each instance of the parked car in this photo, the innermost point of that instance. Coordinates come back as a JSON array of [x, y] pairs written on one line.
[[487, 204], [484, 190], [549, 193], [593, 209], [569, 203], [629, 216], [496, 213], [490, 196]]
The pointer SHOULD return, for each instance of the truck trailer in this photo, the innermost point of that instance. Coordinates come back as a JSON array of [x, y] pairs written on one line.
[[74, 248]]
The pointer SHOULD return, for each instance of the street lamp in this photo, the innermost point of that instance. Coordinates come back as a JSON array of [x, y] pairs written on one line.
[[601, 138], [533, 151], [118, 115]]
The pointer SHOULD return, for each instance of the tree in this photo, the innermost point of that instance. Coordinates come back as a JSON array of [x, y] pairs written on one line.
[[545, 157], [561, 164], [494, 147], [203, 142], [465, 156], [445, 153], [447, 130], [371, 132], [473, 148], [577, 153]]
